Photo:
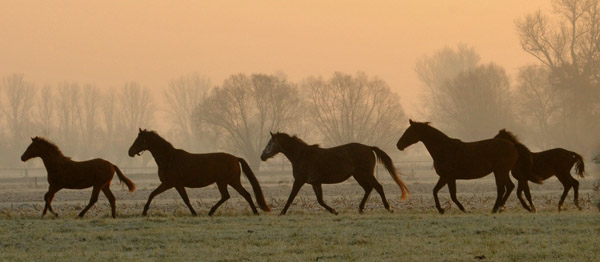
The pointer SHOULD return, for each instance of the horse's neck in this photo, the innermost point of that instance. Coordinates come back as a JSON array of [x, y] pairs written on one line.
[[437, 143], [53, 162], [161, 154], [293, 151]]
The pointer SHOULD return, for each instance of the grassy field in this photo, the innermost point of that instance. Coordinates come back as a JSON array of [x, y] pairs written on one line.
[[414, 232], [313, 236]]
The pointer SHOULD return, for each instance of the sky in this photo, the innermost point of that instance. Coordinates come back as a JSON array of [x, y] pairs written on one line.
[[108, 43]]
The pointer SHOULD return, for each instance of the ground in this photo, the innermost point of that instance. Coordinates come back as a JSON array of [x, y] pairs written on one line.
[[413, 232]]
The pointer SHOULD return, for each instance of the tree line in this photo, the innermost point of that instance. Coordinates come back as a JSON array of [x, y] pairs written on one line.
[[554, 103]]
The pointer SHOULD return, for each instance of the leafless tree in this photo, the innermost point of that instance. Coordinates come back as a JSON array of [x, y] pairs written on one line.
[[137, 107], [436, 70], [18, 108], [358, 108], [568, 45], [183, 95], [478, 102], [89, 125], [45, 111], [68, 104], [247, 108]]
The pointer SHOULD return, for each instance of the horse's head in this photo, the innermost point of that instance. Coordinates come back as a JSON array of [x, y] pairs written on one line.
[[35, 149], [140, 144], [272, 148], [413, 134]]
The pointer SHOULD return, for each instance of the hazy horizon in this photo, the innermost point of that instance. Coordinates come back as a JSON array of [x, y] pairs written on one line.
[[152, 42]]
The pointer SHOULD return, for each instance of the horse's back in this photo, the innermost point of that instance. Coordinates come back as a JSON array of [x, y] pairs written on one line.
[[199, 170], [549, 162], [336, 164], [84, 174]]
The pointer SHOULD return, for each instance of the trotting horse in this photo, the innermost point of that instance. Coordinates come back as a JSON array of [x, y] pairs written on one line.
[[66, 173], [180, 169], [554, 162], [454, 159], [315, 165]]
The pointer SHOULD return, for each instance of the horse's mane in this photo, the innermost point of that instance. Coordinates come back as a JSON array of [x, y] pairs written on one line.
[[508, 135], [294, 139], [49, 146], [163, 142]]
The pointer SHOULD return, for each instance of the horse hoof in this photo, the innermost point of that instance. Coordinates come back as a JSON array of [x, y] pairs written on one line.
[[282, 214], [361, 211], [441, 211], [391, 210]]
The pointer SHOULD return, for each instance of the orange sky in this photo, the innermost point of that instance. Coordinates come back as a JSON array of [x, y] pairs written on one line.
[[111, 42]]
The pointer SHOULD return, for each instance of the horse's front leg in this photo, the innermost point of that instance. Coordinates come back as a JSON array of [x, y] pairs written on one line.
[[452, 189], [295, 188], [161, 188], [319, 193], [48, 199], [520, 189], [440, 183]]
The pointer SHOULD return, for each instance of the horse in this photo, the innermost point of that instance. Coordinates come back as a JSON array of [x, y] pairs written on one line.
[[66, 173], [180, 169], [315, 165], [554, 162], [454, 159]]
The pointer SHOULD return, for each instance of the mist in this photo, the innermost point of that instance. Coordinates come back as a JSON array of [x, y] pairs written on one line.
[[219, 76]]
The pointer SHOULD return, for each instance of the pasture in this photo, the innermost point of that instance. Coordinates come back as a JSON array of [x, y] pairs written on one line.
[[414, 232]]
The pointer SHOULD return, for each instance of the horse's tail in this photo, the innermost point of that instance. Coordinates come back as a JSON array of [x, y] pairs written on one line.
[[579, 165], [260, 198], [524, 163], [124, 179], [382, 157]]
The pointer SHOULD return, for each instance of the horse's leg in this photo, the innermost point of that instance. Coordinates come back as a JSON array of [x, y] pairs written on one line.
[[368, 188], [319, 193], [508, 186], [379, 190], [567, 186], [111, 199], [452, 189], [240, 189], [161, 188], [295, 188], [440, 183], [186, 200], [500, 191], [575, 184], [224, 196], [528, 195], [93, 200], [48, 199], [520, 195]]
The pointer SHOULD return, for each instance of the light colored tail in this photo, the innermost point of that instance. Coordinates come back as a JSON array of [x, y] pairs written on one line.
[[383, 158]]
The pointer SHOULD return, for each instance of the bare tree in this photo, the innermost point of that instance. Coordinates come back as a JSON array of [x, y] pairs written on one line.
[[436, 70], [247, 108], [357, 108], [20, 98], [89, 118], [183, 95], [568, 45], [68, 104], [45, 111], [478, 102], [538, 101], [137, 107]]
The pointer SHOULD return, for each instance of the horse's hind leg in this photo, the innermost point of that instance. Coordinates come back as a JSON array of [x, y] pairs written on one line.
[[161, 188], [111, 199], [509, 186], [93, 200], [186, 200], [48, 199], [452, 189], [528, 195], [567, 186], [520, 195], [379, 190], [576, 192], [500, 190], [440, 183], [368, 188], [224, 196], [319, 193], [240, 189], [295, 188]]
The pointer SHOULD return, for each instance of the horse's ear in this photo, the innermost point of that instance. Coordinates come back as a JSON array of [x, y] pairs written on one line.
[[271, 133], [410, 121], [503, 130], [140, 129], [32, 138]]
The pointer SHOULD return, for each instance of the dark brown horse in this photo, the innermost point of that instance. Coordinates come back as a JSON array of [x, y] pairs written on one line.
[[315, 165], [454, 159], [66, 173], [180, 169], [554, 162]]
